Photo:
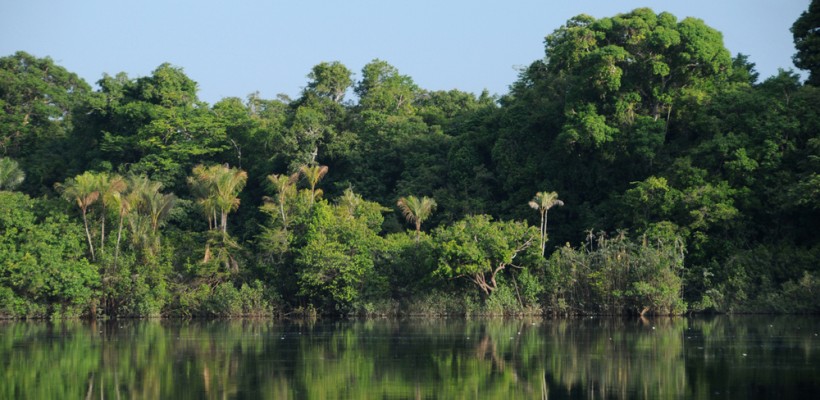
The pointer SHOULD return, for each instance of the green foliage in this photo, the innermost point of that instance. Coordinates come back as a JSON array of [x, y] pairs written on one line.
[[42, 268], [336, 264], [11, 175], [807, 42], [478, 249], [225, 300], [330, 80], [617, 275], [38, 99], [416, 210]]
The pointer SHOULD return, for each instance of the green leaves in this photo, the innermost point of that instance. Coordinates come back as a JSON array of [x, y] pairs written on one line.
[[11, 175], [41, 261], [416, 210], [806, 34], [338, 256], [478, 248]]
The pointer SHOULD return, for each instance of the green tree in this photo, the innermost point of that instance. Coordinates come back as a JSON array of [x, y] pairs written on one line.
[[141, 203], [11, 175], [383, 89], [285, 187], [218, 187], [416, 210], [336, 262], [478, 249], [806, 32], [121, 204], [109, 187], [313, 174], [43, 269], [83, 190], [154, 126], [38, 100], [330, 80], [542, 202]]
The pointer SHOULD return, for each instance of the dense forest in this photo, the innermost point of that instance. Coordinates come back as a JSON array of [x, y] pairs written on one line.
[[637, 168]]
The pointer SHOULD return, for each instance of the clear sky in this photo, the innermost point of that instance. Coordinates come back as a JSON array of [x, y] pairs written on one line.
[[234, 48]]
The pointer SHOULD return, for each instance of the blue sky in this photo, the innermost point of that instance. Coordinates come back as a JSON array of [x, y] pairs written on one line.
[[234, 48]]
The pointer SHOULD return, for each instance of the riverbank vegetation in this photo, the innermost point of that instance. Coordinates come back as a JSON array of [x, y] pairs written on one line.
[[637, 168]]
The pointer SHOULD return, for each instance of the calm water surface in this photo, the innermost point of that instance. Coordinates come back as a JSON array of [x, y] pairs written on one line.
[[701, 358]]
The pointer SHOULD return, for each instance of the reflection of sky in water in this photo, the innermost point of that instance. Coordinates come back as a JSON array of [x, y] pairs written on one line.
[[737, 357]]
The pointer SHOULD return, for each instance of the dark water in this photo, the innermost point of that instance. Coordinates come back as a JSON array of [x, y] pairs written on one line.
[[702, 358]]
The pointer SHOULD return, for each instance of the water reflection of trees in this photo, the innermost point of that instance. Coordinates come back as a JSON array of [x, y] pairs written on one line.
[[577, 358]]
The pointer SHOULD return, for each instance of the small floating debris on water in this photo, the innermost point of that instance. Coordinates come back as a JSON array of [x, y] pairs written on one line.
[[653, 328], [744, 354]]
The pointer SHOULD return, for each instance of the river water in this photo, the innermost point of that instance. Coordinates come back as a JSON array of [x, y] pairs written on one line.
[[586, 358]]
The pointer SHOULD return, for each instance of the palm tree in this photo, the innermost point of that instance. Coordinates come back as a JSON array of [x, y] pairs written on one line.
[[542, 202], [229, 182], [122, 206], [151, 208], [200, 184], [285, 189], [217, 187], [109, 188], [11, 175], [350, 202], [158, 206], [83, 190], [313, 174], [416, 210]]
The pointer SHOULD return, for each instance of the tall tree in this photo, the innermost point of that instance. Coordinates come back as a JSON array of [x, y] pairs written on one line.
[[109, 188], [285, 187], [416, 210], [83, 190], [806, 32], [330, 80], [313, 174], [38, 100], [155, 125], [121, 206], [542, 202], [478, 249], [149, 208], [218, 187], [383, 89]]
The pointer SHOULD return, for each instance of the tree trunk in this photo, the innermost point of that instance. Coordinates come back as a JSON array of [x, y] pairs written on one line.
[[88, 236], [543, 232], [282, 210], [544, 240], [102, 232], [119, 236]]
